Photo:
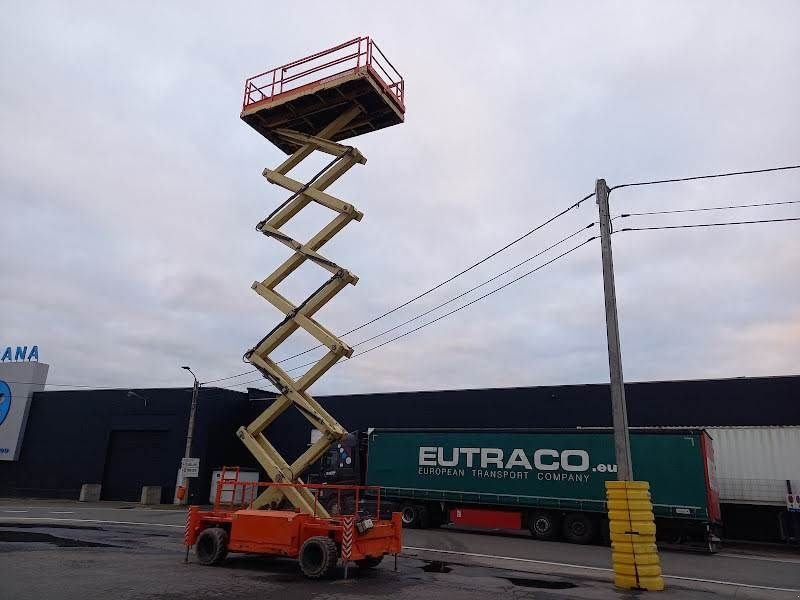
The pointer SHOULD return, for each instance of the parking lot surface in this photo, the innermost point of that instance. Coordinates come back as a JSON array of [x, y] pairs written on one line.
[[75, 551]]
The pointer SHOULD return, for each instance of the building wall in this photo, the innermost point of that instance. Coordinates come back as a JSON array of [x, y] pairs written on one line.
[[722, 402], [69, 434]]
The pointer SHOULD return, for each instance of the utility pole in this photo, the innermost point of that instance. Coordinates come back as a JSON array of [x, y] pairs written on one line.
[[190, 432], [622, 442]]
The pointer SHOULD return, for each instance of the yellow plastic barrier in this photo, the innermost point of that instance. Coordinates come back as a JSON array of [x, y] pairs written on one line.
[[633, 535]]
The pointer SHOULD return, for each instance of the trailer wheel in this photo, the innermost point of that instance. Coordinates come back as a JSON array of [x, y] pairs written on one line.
[[424, 517], [318, 557], [414, 516], [370, 562], [579, 528], [211, 547], [543, 525]]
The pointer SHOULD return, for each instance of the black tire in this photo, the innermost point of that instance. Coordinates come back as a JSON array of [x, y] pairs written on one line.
[[544, 525], [211, 546], [435, 516], [414, 516], [370, 562], [605, 532], [424, 517], [579, 528], [318, 557]]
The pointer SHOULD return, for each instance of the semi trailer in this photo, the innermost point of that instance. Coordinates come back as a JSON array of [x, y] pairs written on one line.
[[550, 481]]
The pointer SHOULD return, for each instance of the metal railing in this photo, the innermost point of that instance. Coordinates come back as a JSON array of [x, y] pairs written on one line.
[[348, 57], [351, 500]]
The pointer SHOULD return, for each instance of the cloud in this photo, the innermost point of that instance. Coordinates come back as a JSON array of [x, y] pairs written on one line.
[[130, 189]]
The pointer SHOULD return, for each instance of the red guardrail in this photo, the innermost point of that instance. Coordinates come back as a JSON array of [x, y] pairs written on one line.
[[232, 493], [348, 57]]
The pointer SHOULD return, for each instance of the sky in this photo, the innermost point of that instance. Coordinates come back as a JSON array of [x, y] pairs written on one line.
[[130, 190]]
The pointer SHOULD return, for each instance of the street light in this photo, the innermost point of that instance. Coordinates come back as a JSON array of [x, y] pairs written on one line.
[[132, 394], [189, 435]]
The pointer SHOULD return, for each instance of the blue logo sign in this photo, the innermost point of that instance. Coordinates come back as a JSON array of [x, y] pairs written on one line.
[[5, 401]]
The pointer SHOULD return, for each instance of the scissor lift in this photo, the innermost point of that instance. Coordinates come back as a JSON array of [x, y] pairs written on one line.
[[303, 107]]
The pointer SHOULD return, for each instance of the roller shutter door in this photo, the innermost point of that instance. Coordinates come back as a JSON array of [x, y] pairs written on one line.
[[134, 459]]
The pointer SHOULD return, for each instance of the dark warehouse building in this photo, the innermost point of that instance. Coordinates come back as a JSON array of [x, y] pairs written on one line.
[[743, 401], [122, 439]]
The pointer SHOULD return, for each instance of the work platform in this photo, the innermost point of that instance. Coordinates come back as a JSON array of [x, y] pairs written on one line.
[[307, 94]]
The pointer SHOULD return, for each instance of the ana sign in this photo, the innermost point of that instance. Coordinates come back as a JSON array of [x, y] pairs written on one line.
[[20, 354]]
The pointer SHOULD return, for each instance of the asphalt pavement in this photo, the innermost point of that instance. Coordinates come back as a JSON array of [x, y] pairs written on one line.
[[71, 550]]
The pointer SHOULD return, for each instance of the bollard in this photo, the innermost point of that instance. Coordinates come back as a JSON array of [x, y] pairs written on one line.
[[190, 529], [151, 494], [633, 536], [348, 535], [90, 492]]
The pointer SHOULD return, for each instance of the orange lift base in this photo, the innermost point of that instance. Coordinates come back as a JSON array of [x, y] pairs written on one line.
[[361, 536], [282, 532], [307, 94]]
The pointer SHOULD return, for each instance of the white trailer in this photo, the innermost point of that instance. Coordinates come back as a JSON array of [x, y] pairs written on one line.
[[757, 465]]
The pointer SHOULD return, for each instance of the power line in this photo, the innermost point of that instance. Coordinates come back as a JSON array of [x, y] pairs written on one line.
[[129, 388], [249, 382], [229, 377], [653, 228], [455, 310], [480, 285], [529, 273], [453, 277], [576, 205], [462, 294], [505, 285], [51, 384], [707, 208], [426, 292], [708, 224], [711, 176], [423, 294]]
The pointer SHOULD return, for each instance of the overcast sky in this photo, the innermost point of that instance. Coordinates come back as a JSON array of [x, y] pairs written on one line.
[[130, 188]]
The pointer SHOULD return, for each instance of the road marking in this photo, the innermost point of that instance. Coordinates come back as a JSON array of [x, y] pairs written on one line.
[[15, 511], [62, 512], [791, 561], [590, 568], [127, 508], [525, 560], [12, 519], [733, 583]]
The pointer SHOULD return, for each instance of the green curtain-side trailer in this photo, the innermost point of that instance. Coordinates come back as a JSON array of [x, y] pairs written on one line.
[[551, 481]]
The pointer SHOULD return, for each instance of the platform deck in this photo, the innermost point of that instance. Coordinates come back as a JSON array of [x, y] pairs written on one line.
[[309, 100]]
